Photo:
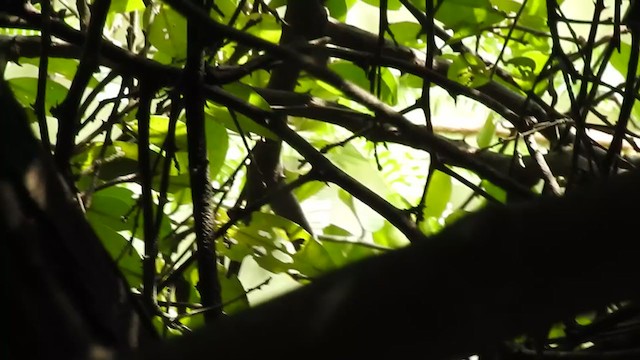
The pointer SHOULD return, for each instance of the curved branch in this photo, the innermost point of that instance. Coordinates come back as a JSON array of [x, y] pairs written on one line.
[[305, 20], [201, 188], [461, 293], [349, 89], [67, 112]]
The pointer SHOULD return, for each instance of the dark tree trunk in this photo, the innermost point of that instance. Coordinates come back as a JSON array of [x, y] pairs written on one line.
[[67, 298]]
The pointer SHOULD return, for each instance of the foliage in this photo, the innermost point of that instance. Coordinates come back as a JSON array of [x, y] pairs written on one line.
[[486, 121]]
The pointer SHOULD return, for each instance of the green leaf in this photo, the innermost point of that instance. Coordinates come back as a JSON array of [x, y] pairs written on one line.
[[353, 162], [355, 74], [507, 6], [111, 207], [471, 14], [557, 331], [313, 260], [525, 66], [390, 83], [130, 150], [109, 168], [338, 8], [266, 27], [408, 34], [412, 81], [222, 115], [227, 7], [274, 4], [179, 186], [495, 191], [344, 253], [390, 236], [420, 4], [168, 33], [57, 66], [257, 79], [455, 216], [269, 240], [127, 258], [158, 128], [462, 33], [308, 190], [263, 234], [488, 131], [468, 70], [217, 146], [430, 226], [438, 195], [620, 60], [369, 219], [122, 6], [25, 90], [635, 112], [233, 294], [586, 318], [247, 93], [535, 14], [122, 160]]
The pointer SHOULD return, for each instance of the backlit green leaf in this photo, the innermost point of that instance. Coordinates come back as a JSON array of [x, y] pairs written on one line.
[[25, 90], [168, 33], [620, 60], [438, 194], [459, 14], [338, 8], [121, 6], [217, 145], [126, 257], [408, 33]]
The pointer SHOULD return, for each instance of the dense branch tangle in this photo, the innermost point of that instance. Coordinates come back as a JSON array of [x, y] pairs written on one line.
[[200, 79]]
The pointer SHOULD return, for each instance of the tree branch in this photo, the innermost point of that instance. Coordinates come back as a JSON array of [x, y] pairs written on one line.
[[304, 21], [201, 191], [67, 111], [461, 293]]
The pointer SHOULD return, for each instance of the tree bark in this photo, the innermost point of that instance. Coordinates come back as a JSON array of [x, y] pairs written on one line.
[[67, 298], [492, 276]]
